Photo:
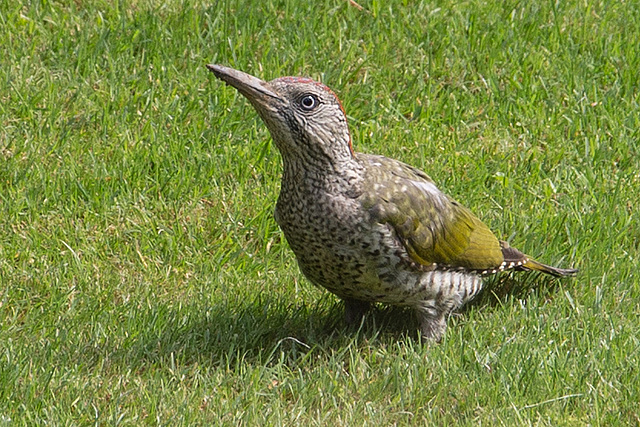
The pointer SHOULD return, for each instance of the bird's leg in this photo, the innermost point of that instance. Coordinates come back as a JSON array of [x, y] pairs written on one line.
[[433, 322], [354, 310]]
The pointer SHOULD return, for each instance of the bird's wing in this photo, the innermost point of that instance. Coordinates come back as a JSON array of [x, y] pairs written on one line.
[[432, 227]]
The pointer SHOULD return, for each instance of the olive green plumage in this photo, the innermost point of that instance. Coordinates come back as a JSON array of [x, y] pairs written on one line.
[[433, 229], [365, 227], [439, 230]]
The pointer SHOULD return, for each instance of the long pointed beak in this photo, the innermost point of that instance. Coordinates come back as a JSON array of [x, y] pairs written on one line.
[[251, 87]]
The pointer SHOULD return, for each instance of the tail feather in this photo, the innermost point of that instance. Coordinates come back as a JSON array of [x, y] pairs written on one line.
[[519, 261], [534, 265]]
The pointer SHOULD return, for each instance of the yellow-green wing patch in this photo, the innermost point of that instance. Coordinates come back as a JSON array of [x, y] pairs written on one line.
[[432, 227]]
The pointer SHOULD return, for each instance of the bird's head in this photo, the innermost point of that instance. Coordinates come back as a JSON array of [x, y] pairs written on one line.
[[305, 118]]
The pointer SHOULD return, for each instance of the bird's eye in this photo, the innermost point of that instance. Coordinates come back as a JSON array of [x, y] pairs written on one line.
[[309, 102]]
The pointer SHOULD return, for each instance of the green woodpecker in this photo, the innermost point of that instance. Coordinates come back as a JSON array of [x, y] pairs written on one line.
[[368, 228]]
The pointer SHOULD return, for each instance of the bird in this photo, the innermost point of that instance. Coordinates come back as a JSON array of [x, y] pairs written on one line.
[[368, 228]]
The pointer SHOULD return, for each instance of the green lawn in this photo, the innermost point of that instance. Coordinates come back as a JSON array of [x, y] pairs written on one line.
[[143, 279]]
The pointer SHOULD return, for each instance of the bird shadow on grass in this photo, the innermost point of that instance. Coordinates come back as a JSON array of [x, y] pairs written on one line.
[[271, 330], [266, 331]]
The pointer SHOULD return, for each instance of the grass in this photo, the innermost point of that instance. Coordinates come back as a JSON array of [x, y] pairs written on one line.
[[143, 277]]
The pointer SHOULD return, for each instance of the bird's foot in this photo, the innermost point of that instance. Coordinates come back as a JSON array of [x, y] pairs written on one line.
[[432, 327]]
